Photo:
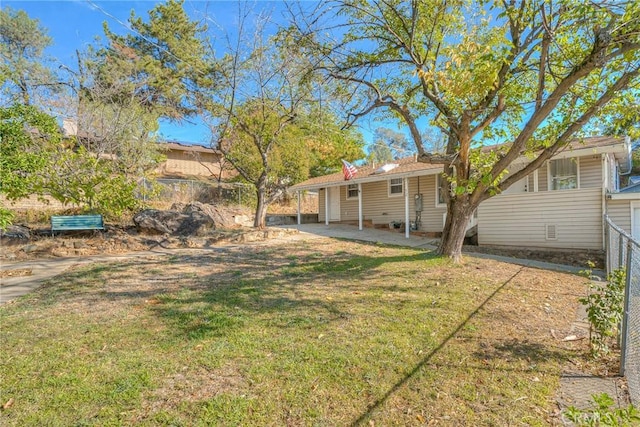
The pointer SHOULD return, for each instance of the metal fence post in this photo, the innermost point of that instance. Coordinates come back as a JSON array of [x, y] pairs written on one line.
[[625, 312], [620, 251]]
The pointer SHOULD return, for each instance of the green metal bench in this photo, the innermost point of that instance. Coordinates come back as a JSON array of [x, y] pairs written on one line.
[[76, 222]]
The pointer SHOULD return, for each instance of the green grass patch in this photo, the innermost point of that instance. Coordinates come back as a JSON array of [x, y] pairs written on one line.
[[333, 333]]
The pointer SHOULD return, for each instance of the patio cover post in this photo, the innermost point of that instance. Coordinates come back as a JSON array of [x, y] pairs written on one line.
[[299, 219], [406, 208], [359, 206], [326, 206]]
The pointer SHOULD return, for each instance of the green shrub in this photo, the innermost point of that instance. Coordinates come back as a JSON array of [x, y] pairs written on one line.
[[6, 218], [605, 306], [605, 414]]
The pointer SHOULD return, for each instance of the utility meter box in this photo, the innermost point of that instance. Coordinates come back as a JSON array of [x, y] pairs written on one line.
[[417, 199]]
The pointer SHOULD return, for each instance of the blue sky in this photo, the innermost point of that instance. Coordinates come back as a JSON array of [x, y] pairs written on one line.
[[75, 24]]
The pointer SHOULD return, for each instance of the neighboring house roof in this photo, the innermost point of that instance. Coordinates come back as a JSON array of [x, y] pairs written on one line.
[[409, 166], [174, 145]]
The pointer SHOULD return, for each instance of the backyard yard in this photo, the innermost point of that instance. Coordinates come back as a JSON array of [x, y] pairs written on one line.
[[322, 332]]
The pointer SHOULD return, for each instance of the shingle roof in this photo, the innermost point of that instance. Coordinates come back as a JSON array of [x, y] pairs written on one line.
[[406, 165], [409, 166], [184, 147]]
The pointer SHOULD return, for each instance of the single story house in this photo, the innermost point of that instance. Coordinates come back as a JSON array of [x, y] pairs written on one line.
[[560, 205]]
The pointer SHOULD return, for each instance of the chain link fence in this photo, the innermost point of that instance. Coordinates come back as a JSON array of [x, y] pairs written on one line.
[[623, 251], [187, 190]]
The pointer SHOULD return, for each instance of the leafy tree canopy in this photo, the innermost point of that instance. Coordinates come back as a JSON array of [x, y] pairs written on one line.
[[528, 74], [25, 132]]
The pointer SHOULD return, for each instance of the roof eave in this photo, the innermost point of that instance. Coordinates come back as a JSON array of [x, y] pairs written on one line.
[[367, 179]]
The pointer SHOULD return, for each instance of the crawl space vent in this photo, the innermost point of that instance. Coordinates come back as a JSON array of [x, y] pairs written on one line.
[[551, 232]]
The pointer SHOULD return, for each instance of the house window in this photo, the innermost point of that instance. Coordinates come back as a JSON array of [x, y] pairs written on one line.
[[439, 195], [563, 174], [395, 187], [352, 191]]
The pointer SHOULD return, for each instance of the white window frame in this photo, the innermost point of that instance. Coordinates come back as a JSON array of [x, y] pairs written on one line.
[[352, 187], [396, 184], [550, 178], [439, 204]]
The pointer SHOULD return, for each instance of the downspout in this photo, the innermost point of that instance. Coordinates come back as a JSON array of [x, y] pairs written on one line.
[[627, 143]]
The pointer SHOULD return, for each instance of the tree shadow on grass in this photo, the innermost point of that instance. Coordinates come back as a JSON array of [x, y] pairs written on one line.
[[217, 303], [425, 361], [515, 349]]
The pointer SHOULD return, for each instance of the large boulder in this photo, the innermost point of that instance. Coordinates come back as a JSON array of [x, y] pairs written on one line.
[[222, 216], [173, 222], [16, 232]]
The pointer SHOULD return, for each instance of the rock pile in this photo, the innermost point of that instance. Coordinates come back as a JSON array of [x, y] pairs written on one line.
[[193, 219]]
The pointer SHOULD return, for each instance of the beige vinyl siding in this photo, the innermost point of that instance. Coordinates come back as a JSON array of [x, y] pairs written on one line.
[[431, 214], [520, 219], [378, 206], [620, 213], [542, 178], [591, 172], [191, 163], [321, 205], [382, 209], [348, 207]]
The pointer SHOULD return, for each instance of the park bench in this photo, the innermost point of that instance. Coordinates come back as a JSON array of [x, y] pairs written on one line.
[[76, 222]]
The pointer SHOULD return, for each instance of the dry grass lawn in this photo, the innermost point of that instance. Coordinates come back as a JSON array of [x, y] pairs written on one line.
[[307, 333]]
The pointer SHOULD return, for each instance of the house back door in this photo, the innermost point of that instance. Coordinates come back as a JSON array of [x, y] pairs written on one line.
[[334, 203]]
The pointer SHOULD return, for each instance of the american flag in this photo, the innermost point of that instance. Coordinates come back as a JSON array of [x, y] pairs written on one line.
[[348, 170]]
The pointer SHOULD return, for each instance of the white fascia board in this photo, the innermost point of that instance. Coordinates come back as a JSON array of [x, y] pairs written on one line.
[[375, 178], [623, 196], [620, 149]]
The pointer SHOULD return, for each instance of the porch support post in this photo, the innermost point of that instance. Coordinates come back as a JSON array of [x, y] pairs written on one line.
[[299, 218], [535, 181], [326, 206], [359, 206], [406, 208]]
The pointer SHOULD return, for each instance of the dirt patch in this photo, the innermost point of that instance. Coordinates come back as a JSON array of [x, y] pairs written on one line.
[[20, 272], [124, 240], [29, 243], [576, 258]]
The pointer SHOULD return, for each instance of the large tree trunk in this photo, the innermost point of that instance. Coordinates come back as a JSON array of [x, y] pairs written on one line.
[[261, 209], [459, 213]]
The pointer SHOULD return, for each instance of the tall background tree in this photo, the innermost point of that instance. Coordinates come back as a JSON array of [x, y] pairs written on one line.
[[530, 75], [23, 70], [388, 145], [265, 115], [105, 101]]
